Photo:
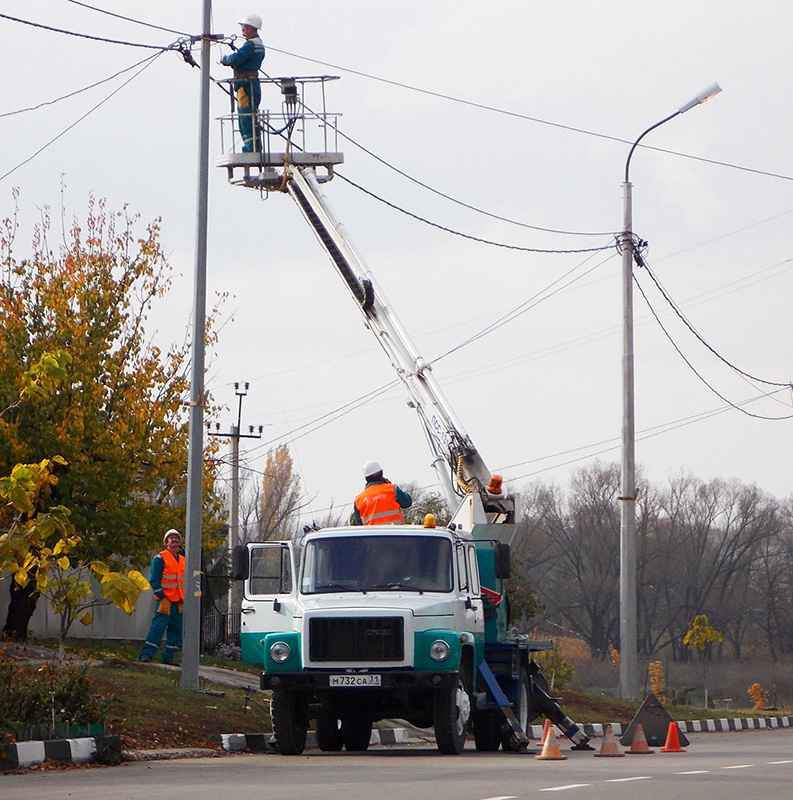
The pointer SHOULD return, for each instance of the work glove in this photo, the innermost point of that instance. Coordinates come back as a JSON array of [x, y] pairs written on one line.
[[164, 607]]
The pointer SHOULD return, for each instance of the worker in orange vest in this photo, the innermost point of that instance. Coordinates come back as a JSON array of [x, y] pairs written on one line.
[[381, 502], [167, 582]]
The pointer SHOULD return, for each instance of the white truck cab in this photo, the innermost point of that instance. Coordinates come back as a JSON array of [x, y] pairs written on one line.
[[379, 622]]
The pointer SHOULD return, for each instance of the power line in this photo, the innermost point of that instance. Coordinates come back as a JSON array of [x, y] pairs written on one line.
[[528, 118], [127, 19], [149, 59], [467, 205], [466, 235], [85, 35], [78, 91], [700, 338], [715, 391], [526, 305]]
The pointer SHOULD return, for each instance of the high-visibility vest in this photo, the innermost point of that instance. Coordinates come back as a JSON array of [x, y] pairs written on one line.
[[377, 505], [173, 577]]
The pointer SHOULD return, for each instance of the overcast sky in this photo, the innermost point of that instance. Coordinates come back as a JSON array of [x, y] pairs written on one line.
[[524, 110]]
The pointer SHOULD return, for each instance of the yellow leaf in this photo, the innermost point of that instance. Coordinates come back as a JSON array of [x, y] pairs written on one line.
[[63, 562], [21, 577], [86, 618]]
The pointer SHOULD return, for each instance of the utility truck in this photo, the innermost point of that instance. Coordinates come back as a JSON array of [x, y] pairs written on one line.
[[386, 621]]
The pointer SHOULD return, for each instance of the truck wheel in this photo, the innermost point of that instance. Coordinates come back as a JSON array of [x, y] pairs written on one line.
[[290, 723], [452, 714], [329, 736], [356, 734], [487, 732], [522, 709]]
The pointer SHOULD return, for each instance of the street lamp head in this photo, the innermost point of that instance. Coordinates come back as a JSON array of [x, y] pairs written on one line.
[[702, 97]]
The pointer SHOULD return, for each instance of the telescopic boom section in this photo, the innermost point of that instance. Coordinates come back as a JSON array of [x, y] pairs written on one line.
[[464, 472]]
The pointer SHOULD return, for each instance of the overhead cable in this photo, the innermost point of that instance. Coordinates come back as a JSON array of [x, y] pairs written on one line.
[[715, 391], [127, 19], [538, 120], [467, 205], [147, 62], [467, 235], [85, 35], [78, 91], [702, 340]]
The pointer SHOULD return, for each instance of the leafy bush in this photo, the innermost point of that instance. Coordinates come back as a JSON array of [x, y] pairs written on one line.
[[44, 695], [556, 668]]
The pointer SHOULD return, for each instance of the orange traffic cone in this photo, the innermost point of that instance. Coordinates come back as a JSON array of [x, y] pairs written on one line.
[[551, 750], [545, 728], [609, 747], [673, 740], [639, 746]]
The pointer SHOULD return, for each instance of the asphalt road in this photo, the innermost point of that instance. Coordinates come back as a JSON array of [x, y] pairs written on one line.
[[730, 766]]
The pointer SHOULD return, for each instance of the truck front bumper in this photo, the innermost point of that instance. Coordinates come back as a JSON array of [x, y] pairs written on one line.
[[389, 679]]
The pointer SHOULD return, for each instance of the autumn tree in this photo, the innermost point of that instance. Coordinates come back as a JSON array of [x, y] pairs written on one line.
[[279, 497], [425, 502], [117, 421]]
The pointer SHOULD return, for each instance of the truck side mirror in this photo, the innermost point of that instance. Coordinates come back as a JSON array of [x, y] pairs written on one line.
[[239, 563], [501, 560]]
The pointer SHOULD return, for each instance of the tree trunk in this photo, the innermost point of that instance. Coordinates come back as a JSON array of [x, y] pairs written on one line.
[[20, 609]]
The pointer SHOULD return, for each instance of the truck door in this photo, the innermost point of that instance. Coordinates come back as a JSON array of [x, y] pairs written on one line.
[[269, 596], [468, 586]]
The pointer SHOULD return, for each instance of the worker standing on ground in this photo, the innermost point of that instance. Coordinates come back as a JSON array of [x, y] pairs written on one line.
[[246, 62], [167, 582], [381, 502]]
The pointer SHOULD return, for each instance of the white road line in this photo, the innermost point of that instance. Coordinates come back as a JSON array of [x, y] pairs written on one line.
[[503, 797], [694, 772], [635, 778], [565, 788], [739, 766], [788, 761]]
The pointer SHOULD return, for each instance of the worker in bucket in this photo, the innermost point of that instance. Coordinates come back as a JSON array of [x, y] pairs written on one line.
[[381, 502], [167, 583], [246, 62]]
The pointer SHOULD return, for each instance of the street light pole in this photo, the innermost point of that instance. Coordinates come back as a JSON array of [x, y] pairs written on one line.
[[628, 598]]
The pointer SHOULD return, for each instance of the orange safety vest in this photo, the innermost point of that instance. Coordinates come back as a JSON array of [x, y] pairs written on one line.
[[377, 505], [173, 577]]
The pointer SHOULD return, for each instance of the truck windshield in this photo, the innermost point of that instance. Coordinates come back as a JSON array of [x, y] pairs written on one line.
[[380, 562]]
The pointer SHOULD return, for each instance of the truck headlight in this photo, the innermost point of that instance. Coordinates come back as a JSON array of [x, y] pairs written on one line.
[[280, 652], [439, 650]]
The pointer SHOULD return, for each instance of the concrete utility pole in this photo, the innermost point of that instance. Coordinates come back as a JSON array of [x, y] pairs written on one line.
[[235, 590], [191, 636], [630, 253]]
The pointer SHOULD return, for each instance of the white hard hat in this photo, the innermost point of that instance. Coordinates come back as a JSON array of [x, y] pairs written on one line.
[[254, 20], [371, 468], [170, 532]]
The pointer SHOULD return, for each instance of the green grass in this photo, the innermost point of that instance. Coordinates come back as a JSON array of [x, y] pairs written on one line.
[[146, 706]]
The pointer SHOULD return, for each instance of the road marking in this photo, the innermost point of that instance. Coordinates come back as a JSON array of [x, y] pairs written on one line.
[[739, 766], [694, 772], [565, 788], [503, 797], [625, 780], [787, 761]]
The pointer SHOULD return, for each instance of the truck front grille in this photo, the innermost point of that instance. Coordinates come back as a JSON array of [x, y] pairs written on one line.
[[356, 639]]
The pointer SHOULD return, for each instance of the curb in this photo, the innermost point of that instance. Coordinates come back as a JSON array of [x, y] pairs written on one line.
[[688, 726], [103, 749], [265, 742]]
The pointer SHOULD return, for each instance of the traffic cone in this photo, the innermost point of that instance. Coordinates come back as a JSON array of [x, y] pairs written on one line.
[[639, 746], [545, 728], [551, 750], [672, 740], [609, 747]]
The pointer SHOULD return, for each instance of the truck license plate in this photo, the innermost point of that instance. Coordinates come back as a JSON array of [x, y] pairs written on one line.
[[355, 680]]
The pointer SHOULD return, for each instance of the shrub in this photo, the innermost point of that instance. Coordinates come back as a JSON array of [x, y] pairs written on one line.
[[51, 693]]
